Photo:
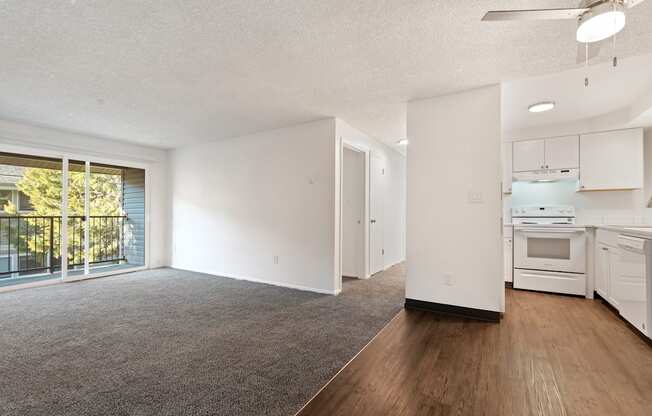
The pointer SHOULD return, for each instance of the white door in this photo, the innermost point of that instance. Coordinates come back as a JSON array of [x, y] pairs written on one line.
[[614, 255], [528, 155], [602, 269], [353, 197], [563, 152], [376, 215], [507, 253], [611, 160]]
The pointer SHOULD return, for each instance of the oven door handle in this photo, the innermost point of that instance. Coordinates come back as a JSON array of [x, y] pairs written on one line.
[[549, 231]]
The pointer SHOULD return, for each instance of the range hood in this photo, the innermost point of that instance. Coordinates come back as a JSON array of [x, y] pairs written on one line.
[[547, 175]]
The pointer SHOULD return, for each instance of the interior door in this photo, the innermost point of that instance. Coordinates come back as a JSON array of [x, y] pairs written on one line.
[[376, 214], [353, 199]]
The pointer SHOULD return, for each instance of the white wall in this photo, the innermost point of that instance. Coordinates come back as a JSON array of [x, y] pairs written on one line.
[[455, 150], [593, 208], [238, 203], [35, 140], [395, 201], [353, 203]]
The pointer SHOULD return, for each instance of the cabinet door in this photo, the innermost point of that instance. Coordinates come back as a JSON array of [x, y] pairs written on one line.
[[507, 252], [507, 168], [613, 275], [611, 160], [529, 155], [563, 152], [602, 269]]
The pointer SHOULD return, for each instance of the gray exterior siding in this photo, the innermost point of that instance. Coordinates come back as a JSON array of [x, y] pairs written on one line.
[[133, 204]]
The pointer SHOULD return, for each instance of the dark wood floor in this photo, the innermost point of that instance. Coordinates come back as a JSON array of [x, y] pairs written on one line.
[[550, 355]]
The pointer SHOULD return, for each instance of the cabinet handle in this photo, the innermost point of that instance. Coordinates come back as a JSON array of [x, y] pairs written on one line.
[[605, 249], [546, 166]]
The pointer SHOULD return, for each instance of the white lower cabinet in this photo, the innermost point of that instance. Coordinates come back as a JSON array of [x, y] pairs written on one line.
[[508, 254], [606, 257]]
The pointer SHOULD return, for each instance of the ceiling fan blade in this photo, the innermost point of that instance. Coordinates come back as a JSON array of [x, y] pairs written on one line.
[[594, 50], [535, 14], [632, 3]]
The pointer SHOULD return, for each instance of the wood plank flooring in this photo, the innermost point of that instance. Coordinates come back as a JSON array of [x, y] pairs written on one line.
[[550, 355]]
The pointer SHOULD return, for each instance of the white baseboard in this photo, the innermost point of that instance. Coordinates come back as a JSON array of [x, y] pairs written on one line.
[[264, 281], [393, 264]]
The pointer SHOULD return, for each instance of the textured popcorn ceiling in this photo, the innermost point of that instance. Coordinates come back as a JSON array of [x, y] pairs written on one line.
[[168, 73]]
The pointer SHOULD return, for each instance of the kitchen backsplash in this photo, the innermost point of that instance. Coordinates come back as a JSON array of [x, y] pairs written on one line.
[[602, 207]]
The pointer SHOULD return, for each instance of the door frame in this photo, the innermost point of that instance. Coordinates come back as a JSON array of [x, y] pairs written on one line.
[[88, 158], [344, 143]]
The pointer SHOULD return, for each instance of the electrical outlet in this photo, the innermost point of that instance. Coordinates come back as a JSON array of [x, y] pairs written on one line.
[[275, 259], [475, 197], [448, 279]]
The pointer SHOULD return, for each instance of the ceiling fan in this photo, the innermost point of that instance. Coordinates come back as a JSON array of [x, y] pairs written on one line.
[[596, 20]]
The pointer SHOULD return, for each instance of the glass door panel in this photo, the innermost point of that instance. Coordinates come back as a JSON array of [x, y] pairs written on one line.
[[76, 217], [107, 217], [30, 218]]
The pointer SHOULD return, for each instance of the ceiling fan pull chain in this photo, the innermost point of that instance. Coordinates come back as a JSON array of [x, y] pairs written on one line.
[[615, 60], [586, 64]]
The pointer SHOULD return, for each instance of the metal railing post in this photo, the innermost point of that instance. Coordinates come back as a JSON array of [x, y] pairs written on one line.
[[51, 257]]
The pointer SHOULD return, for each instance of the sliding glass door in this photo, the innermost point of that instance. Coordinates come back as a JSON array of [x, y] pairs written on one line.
[[30, 218], [95, 213]]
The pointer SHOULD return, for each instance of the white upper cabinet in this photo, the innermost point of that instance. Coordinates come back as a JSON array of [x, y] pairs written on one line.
[[555, 153], [507, 168], [529, 155], [611, 160], [562, 152]]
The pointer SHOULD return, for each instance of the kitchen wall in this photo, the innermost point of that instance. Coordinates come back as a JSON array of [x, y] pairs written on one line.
[[37, 140], [602, 207], [454, 243], [395, 186], [259, 207]]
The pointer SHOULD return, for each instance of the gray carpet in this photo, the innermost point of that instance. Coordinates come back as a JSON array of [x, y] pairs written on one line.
[[170, 342]]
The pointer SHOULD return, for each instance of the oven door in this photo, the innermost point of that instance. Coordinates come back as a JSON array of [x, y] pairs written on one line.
[[554, 249]]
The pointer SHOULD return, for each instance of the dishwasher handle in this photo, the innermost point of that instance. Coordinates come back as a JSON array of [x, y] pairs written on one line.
[[630, 243]]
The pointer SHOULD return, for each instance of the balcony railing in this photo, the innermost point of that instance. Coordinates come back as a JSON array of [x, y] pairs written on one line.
[[32, 244]]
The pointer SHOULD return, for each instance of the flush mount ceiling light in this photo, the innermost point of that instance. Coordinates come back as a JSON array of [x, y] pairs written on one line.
[[601, 21], [402, 142], [541, 107]]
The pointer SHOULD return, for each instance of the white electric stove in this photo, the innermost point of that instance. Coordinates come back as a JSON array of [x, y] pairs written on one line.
[[549, 250]]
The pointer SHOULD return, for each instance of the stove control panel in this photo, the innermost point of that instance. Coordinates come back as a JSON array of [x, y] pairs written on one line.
[[557, 211]]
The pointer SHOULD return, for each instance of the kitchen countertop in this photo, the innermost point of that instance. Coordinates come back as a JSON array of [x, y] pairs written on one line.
[[642, 231]]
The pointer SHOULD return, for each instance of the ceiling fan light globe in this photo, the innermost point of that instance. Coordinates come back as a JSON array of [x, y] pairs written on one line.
[[601, 23]]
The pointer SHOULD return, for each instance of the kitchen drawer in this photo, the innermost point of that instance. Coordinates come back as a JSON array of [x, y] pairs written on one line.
[[568, 283], [606, 237]]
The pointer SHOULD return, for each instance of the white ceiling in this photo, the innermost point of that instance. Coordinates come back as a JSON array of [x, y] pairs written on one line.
[[610, 90], [171, 72]]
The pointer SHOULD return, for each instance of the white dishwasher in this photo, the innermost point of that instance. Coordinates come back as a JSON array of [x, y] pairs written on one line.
[[632, 288]]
